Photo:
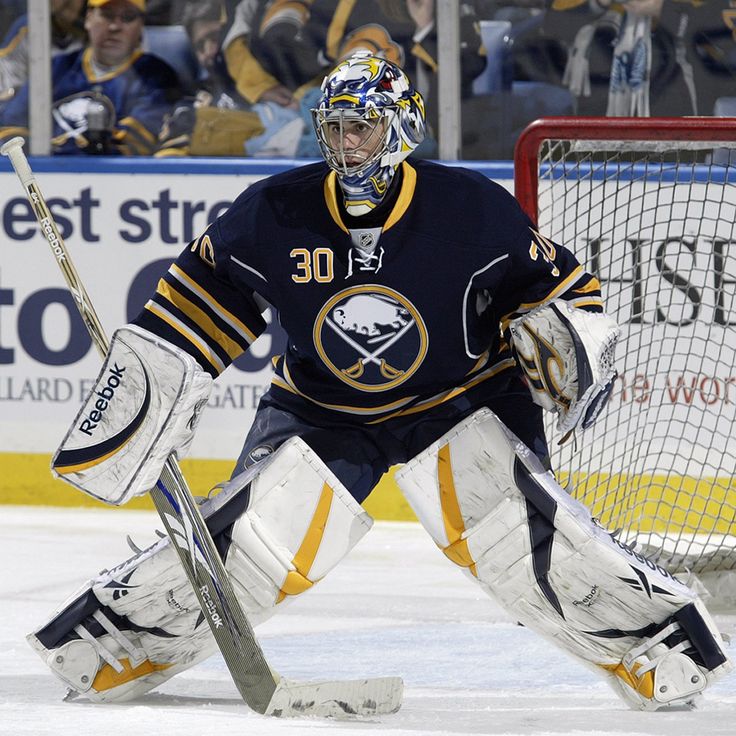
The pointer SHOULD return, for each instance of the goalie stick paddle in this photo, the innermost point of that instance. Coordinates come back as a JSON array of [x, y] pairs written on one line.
[[260, 687]]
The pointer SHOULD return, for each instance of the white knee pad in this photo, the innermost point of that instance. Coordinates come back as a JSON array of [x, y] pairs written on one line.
[[492, 509], [280, 527], [301, 521]]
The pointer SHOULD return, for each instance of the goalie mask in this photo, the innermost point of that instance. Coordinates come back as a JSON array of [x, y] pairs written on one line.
[[368, 120]]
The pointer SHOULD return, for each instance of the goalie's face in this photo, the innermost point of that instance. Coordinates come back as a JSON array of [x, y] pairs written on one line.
[[352, 139]]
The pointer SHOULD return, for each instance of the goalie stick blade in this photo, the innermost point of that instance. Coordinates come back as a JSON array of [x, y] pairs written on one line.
[[337, 698]]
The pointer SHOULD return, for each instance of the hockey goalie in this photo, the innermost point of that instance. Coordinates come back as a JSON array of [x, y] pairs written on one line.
[[429, 326]]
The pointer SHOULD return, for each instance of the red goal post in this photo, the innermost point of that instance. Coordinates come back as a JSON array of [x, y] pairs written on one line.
[[648, 205]]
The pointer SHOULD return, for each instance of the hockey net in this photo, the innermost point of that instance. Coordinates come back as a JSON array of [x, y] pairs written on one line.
[[649, 207]]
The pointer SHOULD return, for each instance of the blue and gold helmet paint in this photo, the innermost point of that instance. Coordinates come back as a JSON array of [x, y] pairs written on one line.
[[377, 94]]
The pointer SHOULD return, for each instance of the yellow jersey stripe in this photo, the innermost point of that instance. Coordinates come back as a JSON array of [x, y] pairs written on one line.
[[213, 304], [185, 332], [202, 320]]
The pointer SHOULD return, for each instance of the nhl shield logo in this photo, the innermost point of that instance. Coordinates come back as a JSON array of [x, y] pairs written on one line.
[[371, 337]]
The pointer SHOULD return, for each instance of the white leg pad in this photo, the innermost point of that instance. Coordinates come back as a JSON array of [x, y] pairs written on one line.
[[492, 509], [288, 541], [281, 526]]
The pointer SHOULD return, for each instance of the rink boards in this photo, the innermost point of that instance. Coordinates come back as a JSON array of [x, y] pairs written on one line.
[[124, 222]]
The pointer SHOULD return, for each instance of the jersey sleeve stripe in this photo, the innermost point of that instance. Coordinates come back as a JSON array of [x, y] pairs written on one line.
[[585, 303], [188, 334], [563, 286], [593, 285], [586, 296], [226, 316], [201, 319]]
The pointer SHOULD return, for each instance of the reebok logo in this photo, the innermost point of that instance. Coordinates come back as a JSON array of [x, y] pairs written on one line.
[[114, 379], [589, 599], [629, 550], [48, 230], [210, 606]]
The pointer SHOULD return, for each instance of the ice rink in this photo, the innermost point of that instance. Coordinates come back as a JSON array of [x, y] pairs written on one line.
[[396, 606]]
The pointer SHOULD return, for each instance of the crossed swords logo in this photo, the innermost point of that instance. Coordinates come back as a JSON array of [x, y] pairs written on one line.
[[386, 341]]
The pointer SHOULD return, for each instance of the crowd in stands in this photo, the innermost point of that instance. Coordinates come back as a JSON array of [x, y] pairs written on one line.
[[238, 77]]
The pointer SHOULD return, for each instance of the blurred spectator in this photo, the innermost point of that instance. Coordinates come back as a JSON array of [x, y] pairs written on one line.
[[205, 22], [164, 12], [520, 84], [253, 81], [67, 34], [108, 97], [10, 10], [402, 31], [645, 57], [298, 42], [218, 120]]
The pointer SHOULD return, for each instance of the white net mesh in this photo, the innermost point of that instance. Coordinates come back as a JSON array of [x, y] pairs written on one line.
[[655, 221]]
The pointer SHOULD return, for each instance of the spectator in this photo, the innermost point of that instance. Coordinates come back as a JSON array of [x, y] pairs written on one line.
[[164, 12], [401, 31], [254, 82], [218, 120], [10, 10], [205, 22], [645, 57], [67, 34], [527, 80], [108, 97]]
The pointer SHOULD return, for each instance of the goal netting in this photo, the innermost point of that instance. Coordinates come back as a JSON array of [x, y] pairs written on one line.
[[649, 207]]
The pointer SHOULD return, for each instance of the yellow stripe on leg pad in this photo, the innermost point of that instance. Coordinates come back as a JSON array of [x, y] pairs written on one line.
[[643, 684], [107, 678], [296, 580], [457, 551]]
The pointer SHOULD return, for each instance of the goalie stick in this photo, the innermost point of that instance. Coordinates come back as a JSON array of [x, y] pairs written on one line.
[[260, 687]]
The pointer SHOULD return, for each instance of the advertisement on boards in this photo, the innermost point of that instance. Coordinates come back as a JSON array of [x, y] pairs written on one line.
[[122, 232]]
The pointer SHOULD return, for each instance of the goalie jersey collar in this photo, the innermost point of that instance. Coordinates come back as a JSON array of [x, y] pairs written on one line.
[[401, 201]]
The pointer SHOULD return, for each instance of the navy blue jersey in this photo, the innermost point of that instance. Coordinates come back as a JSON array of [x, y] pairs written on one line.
[[372, 333]]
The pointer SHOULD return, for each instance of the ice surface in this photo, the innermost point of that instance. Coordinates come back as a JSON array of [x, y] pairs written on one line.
[[396, 606]]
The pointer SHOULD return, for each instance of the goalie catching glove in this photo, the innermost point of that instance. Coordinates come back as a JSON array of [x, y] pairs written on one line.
[[567, 357], [145, 404]]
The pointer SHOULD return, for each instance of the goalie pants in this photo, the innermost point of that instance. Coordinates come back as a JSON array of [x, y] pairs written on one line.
[[359, 454]]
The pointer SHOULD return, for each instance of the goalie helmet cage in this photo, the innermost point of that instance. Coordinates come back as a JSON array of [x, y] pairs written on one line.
[[648, 205]]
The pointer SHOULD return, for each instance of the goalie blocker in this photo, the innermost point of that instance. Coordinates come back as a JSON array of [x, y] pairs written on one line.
[[493, 510]]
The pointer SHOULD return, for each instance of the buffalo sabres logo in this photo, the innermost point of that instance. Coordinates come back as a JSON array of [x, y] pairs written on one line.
[[80, 113], [371, 337]]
